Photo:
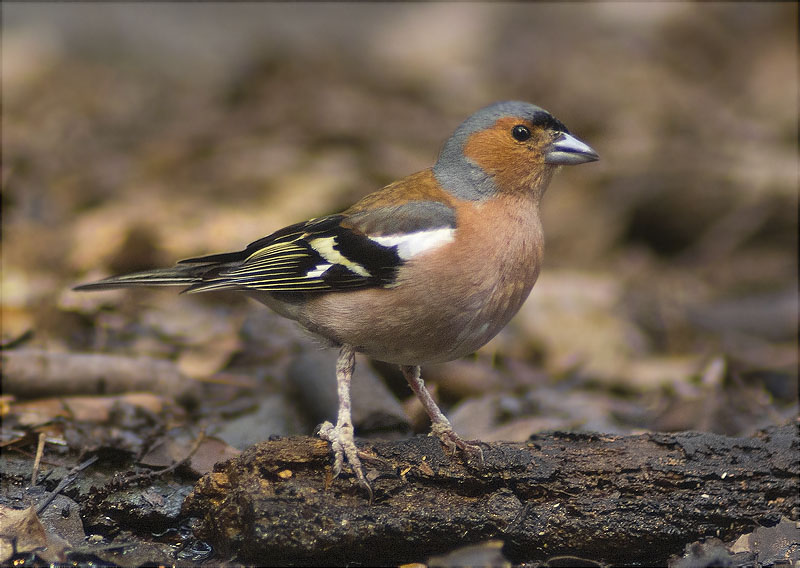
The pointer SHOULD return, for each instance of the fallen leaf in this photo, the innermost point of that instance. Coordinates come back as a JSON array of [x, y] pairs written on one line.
[[209, 452], [22, 531], [93, 409]]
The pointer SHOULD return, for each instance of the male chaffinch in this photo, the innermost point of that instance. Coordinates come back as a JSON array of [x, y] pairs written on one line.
[[427, 269]]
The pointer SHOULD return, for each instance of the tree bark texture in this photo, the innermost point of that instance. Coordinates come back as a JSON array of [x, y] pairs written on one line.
[[615, 499]]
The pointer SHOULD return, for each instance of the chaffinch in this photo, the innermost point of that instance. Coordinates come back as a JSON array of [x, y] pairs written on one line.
[[427, 269]]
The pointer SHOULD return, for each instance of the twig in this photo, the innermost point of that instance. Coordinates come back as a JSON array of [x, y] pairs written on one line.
[[38, 459], [173, 467], [69, 478]]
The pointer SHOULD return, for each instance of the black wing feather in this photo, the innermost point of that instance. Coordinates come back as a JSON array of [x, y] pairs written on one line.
[[314, 256]]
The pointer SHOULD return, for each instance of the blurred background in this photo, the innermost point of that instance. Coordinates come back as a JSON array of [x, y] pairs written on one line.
[[135, 135]]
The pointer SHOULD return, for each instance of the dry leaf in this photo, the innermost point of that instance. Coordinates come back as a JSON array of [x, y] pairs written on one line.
[[22, 531]]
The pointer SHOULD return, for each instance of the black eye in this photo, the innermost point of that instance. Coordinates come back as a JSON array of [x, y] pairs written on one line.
[[520, 133]]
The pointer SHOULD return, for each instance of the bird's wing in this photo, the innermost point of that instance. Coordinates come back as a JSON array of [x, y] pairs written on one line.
[[334, 253]]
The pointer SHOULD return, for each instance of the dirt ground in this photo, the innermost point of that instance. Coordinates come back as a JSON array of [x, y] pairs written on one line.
[[138, 135]]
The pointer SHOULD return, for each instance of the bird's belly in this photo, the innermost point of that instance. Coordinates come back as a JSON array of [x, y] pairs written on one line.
[[411, 325]]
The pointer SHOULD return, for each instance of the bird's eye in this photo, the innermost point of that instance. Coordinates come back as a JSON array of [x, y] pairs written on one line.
[[520, 133]]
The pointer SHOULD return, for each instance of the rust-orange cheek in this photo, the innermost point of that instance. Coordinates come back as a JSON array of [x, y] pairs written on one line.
[[514, 166]]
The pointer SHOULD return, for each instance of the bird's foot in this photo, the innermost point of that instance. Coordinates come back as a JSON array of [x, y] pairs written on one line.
[[343, 446], [444, 431]]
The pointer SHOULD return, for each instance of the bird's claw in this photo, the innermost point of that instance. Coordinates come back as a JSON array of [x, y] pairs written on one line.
[[453, 441], [343, 446]]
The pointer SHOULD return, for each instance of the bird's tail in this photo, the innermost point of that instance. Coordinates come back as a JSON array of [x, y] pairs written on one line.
[[180, 275]]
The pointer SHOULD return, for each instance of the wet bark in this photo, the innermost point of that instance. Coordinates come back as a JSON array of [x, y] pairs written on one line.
[[619, 499]]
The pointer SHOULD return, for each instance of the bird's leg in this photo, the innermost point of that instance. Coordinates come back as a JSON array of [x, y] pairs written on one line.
[[341, 435], [440, 425]]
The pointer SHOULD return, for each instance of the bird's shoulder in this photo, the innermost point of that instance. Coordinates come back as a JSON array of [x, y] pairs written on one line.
[[419, 187]]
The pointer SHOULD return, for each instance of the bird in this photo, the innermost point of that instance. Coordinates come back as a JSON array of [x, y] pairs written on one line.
[[425, 270]]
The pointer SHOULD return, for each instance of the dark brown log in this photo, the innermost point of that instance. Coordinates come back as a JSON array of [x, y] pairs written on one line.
[[617, 499]]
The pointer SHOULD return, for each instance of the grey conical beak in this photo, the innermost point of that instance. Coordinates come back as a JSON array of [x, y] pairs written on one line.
[[567, 150]]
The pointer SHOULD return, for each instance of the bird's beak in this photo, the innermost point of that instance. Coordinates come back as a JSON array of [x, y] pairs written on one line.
[[567, 150]]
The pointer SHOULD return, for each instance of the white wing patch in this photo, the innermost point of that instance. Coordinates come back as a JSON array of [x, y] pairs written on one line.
[[324, 246], [318, 270], [412, 244]]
